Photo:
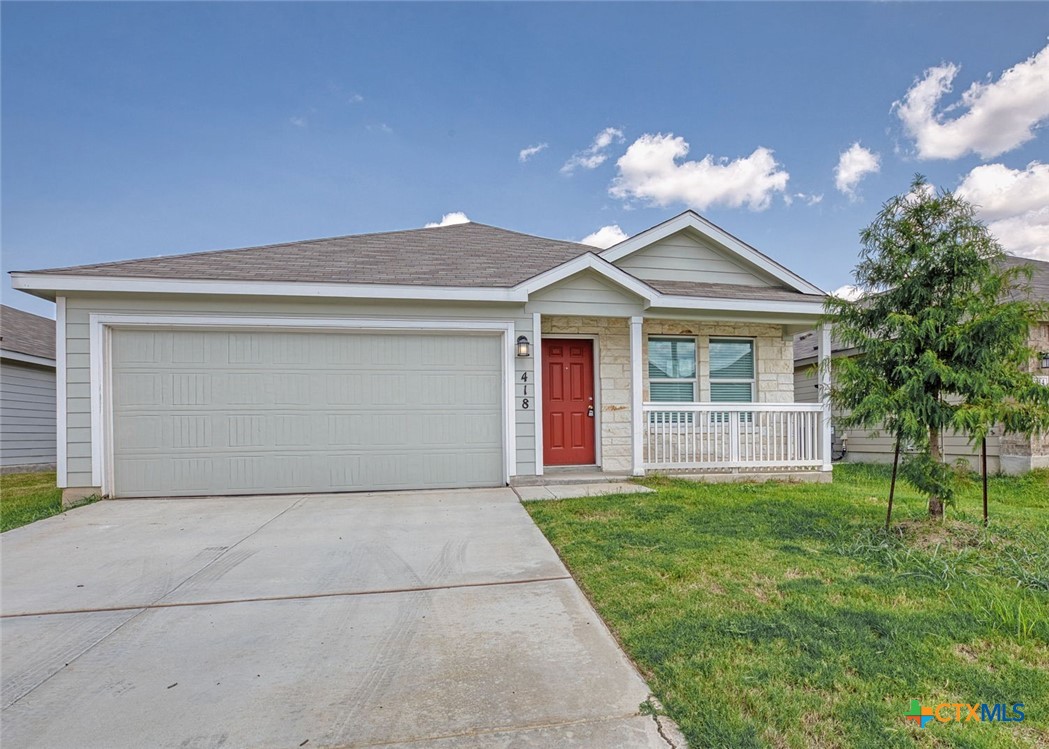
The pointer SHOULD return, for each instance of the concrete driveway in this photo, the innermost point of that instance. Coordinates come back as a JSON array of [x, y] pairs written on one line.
[[421, 619]]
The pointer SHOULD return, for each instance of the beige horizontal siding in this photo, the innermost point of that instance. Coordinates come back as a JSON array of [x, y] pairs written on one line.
[[806, 385], [683, 258], [586, 295], [879, 447]]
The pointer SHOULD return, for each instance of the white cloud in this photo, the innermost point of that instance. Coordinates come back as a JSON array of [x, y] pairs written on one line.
[[299, 121], [848, 291], [355, 98], [527, 153], [605, 237], [649, 170], [999, 115], [1014, 203], [805, 197], [596, 153], [449, 219], [854, 163], [379, 127]]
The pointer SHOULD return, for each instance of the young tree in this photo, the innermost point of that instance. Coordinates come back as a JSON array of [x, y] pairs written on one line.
[[942, 336]]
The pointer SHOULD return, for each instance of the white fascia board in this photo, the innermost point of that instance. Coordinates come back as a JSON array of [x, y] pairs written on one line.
[[27, 358], [690, 220], [47, 282], [589, 261]]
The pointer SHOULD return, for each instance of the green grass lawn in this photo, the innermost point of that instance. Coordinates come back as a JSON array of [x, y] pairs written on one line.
[[781, 615], [27, 497]]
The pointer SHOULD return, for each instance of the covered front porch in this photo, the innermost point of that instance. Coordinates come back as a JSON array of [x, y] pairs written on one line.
[[691, 395]]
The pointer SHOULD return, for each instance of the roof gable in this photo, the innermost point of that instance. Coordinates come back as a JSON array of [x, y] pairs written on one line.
[[689, 256], [587, 292], [706, 237]]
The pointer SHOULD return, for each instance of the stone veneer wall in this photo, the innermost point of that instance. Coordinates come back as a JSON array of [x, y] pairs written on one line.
[[774, 358]]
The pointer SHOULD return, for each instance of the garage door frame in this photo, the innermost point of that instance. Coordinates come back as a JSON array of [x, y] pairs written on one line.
[[100, 352]]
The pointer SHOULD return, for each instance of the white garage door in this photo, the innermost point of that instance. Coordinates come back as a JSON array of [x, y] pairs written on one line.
[[244, 412]]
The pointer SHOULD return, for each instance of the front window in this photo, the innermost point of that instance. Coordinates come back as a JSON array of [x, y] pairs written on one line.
[[731, 371], [672, 369]]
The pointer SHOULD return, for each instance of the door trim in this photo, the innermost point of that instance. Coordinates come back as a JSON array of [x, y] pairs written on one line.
[[597, 392], [100, 326]]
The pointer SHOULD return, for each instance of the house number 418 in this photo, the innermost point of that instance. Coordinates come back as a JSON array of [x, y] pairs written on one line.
[[524, 401]]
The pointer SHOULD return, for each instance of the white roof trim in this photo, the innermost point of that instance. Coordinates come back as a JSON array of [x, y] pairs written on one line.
[[27, 358], [805, 307], [53, 282], [589, 261], [44, 284], [692, 220]]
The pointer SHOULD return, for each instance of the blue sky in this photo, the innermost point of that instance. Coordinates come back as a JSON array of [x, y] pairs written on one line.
[[132, 130]]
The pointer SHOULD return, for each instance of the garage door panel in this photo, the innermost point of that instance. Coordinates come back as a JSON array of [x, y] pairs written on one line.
[[214, 412], [192, 432], [137, 389]]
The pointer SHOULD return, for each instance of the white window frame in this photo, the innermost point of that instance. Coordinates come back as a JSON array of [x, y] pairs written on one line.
[[694, 380], [753, 381], [748, 419]]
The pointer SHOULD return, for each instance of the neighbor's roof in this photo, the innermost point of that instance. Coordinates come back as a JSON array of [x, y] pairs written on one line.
[[26, 333], [1039, 281], [806, 345], [460, 255]]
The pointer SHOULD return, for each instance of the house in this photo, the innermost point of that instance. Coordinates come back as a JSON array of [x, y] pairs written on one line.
[[1006, 453], [27, 391], [457, 356]]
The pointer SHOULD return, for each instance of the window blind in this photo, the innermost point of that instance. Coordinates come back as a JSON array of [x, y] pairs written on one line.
[[671, 358], [731, 392], [671, 391], [733, 360]]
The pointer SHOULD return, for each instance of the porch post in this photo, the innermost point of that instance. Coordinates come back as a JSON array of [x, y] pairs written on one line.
[[537, 388], [636, 396], [824, 385]]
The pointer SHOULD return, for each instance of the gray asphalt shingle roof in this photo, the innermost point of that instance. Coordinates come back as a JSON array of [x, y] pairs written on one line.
[[732, 291], [26, 333], [461, 255], [473, 255]]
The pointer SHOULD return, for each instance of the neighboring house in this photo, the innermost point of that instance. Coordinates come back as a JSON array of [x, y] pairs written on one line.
[[445, 357], [1006, 453], [27, 391]]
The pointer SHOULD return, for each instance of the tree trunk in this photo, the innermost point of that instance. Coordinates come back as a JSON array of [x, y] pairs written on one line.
[[935, 502]]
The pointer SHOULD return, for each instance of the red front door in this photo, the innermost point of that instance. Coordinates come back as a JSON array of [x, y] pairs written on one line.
[[568, 402]]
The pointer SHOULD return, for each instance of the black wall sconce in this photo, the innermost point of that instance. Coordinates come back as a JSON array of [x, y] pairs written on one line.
[[524, 348]]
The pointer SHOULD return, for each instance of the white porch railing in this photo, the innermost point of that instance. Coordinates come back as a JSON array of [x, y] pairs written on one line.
[[731, 436]]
